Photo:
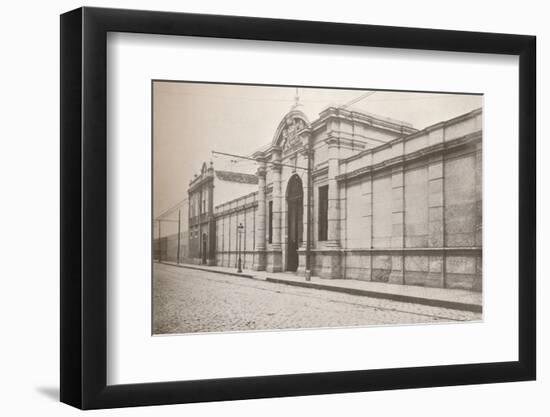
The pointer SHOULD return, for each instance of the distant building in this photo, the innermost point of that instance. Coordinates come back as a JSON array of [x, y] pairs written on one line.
[[210, 188], [389, 203]]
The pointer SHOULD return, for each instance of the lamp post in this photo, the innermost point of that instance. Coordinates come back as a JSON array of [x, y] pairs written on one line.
[[240, 229]]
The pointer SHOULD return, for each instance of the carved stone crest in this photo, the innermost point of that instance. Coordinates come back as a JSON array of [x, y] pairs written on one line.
[[290, 139]]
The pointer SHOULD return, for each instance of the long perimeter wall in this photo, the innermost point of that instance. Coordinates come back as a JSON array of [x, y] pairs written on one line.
[[414, 216], [228, 217]]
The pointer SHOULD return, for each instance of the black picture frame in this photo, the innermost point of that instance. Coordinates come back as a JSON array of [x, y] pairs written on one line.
[[84, 207]]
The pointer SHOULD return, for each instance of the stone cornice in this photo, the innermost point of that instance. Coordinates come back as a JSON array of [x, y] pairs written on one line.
[[320, 171], [235, 200], [199, 182], [405, 138], [335, 139], [412, 156], [235, 209], [362, 118], [260, 156], [444, 124], [356, 138], [407, 132]]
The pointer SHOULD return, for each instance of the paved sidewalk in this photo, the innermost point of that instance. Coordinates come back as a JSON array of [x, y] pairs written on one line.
[[436, 297]]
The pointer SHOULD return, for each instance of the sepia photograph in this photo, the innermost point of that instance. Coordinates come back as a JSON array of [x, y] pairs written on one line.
[[297, 207], [282, 204]]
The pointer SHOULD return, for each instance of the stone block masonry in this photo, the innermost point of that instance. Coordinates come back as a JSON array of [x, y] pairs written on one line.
[[402, 206]]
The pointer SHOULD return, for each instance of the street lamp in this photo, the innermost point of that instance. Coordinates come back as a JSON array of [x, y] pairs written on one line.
[[240, 230]]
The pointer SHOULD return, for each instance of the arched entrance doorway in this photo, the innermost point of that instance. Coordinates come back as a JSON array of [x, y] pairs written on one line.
[[295, 203]]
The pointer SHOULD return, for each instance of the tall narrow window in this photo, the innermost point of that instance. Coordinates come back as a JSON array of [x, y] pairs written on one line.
[[270, 225], [323, 212]]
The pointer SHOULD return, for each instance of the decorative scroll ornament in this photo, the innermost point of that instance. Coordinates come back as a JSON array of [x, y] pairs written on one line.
[[290, 138]]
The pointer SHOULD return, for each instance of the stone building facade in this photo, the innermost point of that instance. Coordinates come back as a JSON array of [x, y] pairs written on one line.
[[201, 202], [386, 202]]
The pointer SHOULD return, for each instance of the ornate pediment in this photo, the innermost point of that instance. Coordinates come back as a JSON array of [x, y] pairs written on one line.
[[288, 136]]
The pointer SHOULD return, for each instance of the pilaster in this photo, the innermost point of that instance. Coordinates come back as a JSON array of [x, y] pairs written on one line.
[[397, 275], [436, 220], [275, 263], [331, 264], [306, 214], [478, 284], [260, 235]]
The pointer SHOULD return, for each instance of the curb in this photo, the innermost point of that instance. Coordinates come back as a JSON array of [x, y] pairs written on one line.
[[236, 274], [432, 302]]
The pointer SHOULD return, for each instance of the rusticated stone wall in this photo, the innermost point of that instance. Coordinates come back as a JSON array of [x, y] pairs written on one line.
[[416, 218]]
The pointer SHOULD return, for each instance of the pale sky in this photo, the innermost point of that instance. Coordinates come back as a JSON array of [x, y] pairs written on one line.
[[193, 119]]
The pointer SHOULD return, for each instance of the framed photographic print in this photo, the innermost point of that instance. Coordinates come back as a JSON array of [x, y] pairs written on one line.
[[257, 207]]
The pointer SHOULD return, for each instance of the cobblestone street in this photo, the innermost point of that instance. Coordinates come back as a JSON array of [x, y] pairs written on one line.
[[187, 301]]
